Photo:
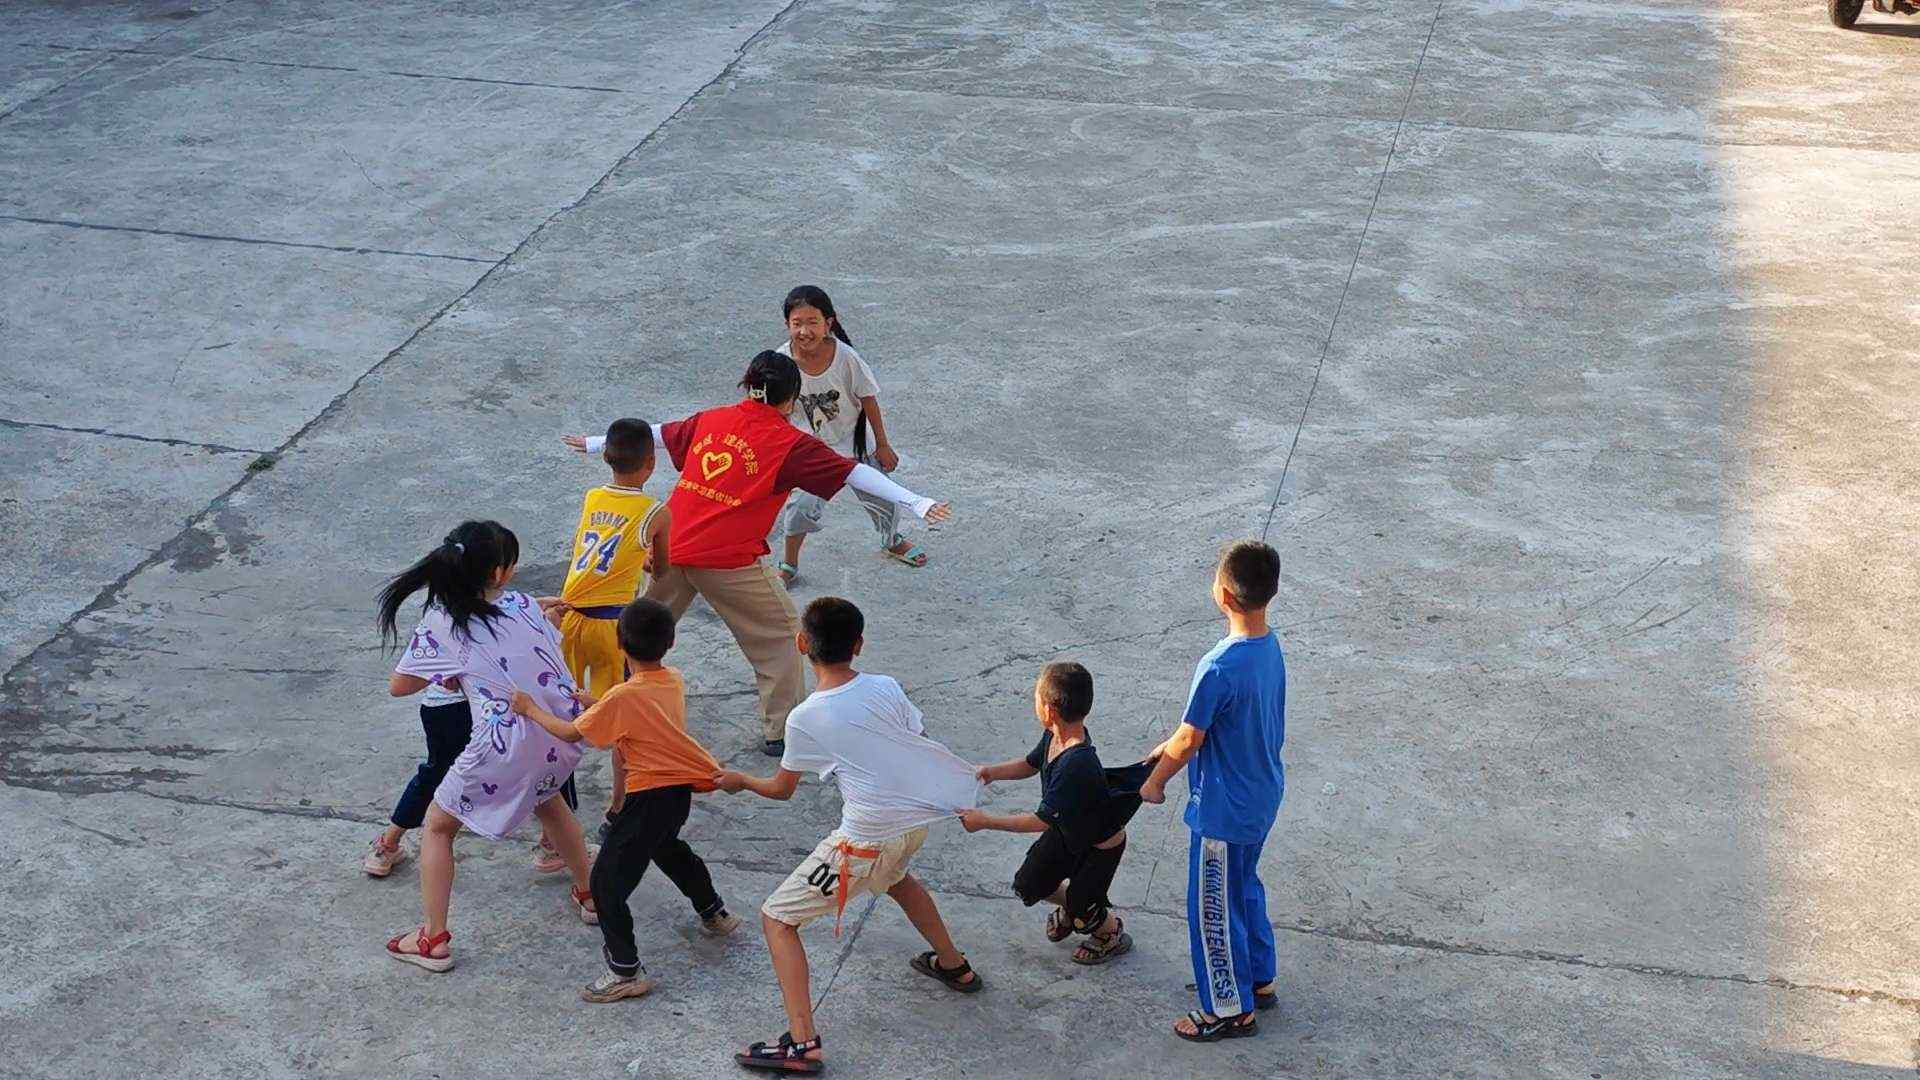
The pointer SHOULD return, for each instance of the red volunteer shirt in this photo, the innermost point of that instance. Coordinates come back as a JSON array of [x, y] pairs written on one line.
[[737, 465]]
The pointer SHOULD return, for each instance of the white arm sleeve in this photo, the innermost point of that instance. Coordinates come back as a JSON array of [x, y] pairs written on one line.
[[871, 481], [597, 443]]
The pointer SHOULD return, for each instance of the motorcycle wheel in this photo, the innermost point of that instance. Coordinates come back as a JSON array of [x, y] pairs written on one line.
[[1844, 12]]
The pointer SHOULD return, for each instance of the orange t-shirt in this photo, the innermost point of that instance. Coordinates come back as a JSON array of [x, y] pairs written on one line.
[[646, 716]]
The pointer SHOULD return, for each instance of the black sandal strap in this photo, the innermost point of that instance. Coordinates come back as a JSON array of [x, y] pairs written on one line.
[[783, 1050]]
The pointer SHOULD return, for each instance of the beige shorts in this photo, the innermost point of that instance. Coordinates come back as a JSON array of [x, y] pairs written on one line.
[[839, 870]]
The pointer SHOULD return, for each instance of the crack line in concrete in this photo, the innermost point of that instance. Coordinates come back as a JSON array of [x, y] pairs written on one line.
[[1386, 939], [111, 591], [183, 234], [56, 88], [307, 66], [216, 448], [1304, 114], [846, 951], [1359, 246], [1406, 940]]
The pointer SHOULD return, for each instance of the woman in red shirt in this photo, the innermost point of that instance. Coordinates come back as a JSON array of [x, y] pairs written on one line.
[[736, 466]]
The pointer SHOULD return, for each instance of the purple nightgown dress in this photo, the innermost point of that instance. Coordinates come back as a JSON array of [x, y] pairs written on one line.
[[511, 764]]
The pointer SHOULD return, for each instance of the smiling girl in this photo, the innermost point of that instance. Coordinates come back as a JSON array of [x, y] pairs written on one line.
[[840, 406]]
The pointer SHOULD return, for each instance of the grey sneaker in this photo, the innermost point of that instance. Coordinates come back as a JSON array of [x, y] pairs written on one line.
[[610, 987]]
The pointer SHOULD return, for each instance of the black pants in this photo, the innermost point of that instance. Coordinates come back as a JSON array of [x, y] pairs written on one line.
[[1088, 874], [647, 830], [448, 728]]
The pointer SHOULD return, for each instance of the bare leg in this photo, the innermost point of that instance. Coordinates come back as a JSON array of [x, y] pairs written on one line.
[[436, 867], [917, 902], [790, 967], [794, 540], [564, 830], [391, 836]]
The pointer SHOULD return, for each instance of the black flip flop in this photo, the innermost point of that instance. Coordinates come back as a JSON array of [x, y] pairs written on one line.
[[928, 963], [1268, 1000], [782, 1056], [1226, 1027]]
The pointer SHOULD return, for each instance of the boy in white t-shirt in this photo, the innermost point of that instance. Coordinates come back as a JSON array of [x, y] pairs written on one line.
[[894, 781], [840, 406]]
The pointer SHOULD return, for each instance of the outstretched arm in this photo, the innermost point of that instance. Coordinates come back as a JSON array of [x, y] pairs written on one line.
[[871, 481], [1017, 769], [593, 444], [400, 685], [1169, 758], [779, 786], [975, 820], [564, 730]]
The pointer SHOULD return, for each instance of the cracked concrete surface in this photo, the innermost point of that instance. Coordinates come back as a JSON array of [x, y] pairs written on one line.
[[1548, 345]]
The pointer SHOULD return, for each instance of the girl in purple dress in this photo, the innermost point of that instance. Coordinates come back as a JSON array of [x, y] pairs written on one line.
[[494, 641]]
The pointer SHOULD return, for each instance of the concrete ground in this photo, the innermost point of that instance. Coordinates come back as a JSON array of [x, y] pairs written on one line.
[[1567, 353]]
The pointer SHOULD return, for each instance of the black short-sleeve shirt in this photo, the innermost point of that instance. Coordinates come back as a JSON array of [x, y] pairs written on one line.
[[1083, 800]]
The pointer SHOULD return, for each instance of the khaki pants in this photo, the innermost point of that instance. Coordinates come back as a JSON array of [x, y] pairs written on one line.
[[756, 607]]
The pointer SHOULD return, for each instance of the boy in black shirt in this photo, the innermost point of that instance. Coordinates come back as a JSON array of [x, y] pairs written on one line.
[[1082, 819]]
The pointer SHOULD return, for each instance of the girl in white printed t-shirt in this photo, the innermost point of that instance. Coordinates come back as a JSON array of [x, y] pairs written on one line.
[[839, 405]]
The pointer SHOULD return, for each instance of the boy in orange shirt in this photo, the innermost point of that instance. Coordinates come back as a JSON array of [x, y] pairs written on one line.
[[646, 719]]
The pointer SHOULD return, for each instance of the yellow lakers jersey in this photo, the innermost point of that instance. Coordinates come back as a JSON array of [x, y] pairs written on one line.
[[610, 547]]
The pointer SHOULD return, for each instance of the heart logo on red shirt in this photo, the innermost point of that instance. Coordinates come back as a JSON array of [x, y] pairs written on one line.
[[712, 465]]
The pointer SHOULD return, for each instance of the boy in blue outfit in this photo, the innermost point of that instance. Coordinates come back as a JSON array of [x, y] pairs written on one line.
[[1229, 741]]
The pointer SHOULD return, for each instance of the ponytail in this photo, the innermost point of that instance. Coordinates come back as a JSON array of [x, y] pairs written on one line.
[[455, 575], [771, 377], [815, 297]]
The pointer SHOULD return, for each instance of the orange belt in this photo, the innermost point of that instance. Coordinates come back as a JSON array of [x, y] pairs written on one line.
[[848, 852]]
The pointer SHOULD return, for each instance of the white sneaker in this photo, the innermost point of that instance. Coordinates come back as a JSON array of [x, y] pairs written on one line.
[[611, 987], [381, 859]]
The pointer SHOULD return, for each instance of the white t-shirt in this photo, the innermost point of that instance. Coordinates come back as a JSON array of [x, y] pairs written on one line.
[[830, 401], [868, 737], [436, 695]]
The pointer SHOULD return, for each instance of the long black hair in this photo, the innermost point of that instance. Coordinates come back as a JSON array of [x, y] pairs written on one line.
[[815, 297], [455, 575]]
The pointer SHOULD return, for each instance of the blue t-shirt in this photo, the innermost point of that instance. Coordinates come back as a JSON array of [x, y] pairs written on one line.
[[1239, 698]]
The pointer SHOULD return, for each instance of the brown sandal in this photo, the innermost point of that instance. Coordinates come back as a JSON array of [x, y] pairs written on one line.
[[1098, 950], [1059, 927]]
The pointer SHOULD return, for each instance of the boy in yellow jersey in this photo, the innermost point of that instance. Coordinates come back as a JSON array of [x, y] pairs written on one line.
[[621, 536]]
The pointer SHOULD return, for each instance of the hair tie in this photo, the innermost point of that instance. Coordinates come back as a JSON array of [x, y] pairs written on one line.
[[458, 547], [757, 393]]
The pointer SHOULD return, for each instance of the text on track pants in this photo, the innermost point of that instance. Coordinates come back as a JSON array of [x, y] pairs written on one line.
[[1227, 926], [755, 606]]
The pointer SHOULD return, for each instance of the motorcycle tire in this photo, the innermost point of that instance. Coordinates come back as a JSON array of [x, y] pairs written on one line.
[[1844, 12]]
